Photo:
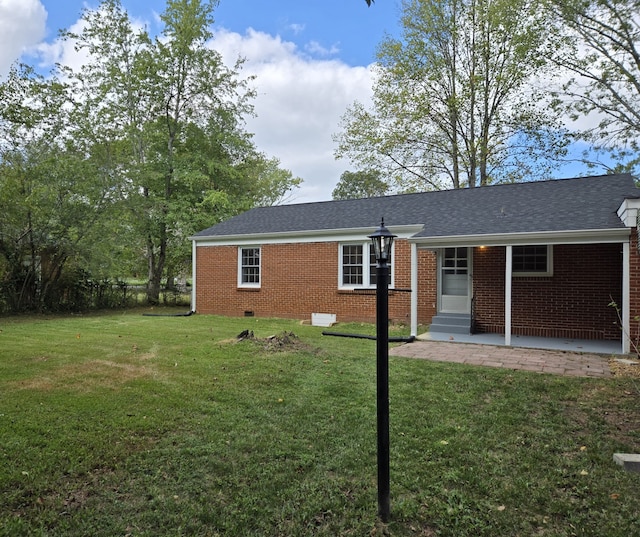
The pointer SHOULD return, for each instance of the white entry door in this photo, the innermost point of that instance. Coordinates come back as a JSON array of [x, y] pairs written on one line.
[[454, 280]]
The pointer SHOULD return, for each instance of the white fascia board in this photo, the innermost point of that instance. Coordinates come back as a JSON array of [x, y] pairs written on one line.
[[583, 236], [628, 212], [329, 235]]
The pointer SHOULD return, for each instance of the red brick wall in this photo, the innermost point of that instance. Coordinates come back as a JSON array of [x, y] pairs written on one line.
[[427, 286], [574, 302], [300, 279]]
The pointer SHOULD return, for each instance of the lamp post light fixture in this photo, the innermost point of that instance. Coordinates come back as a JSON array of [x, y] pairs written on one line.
[[382, 240]]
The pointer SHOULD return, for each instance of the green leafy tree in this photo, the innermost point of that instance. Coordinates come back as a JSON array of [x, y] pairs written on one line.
[[453, 104], [600, 49], [362, 184], [136, 150], [267, 182], [168, 115], [53, 196]]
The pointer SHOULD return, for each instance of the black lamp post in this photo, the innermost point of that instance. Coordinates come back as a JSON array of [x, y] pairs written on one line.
[[382, 240]]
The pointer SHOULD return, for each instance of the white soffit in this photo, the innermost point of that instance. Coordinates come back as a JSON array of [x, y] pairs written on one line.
[[583, 236]]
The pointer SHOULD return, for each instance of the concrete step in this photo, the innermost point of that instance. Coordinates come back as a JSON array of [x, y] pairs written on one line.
[[451, 323], [629, 461]]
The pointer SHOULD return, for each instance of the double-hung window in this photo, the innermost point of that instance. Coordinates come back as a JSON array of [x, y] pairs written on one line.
[[532, 260], [249, 267], [357, 266]]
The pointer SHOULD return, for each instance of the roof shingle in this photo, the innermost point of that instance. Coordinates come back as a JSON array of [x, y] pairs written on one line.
[[584, 203]]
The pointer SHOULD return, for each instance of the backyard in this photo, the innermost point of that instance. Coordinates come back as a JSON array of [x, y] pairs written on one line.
[[131, 425]]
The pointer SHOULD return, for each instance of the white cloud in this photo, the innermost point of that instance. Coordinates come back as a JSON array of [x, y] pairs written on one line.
[[297, 28], [63, 51], [22, 25], [299, 105], [316, 49]]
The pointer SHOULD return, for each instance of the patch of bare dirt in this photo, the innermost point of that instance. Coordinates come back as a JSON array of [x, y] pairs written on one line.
[[284, 341], [87, 376]]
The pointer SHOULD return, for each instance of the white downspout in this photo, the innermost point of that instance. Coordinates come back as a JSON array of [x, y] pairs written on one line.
[[626, 301], [414, 289], [193, 278], [507, 295]]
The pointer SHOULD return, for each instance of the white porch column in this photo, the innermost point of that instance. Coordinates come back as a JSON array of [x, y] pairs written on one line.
[[507, 294], [626, 301], [414, 289], [193, 277]]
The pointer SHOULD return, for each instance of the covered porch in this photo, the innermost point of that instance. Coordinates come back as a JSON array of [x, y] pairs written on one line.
[[564, 306]]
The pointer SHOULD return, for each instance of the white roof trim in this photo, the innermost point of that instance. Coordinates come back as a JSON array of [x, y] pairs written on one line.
[[324, 235], [628, 212], [582, 236]]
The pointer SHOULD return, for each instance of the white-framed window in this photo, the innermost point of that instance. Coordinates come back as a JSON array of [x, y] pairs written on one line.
[[532, 260], [249, 266], [357, 266]]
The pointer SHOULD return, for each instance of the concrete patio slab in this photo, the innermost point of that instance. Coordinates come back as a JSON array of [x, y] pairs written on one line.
[[536, 360], [530, 342]]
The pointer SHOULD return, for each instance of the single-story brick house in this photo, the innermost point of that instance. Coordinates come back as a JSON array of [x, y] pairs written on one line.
[[540, 258]]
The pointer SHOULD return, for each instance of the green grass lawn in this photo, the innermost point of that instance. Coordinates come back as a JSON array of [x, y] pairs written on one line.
[[124, 425]]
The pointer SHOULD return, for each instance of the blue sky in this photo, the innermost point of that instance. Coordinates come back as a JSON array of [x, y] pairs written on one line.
[[347, 28], [311, 60]]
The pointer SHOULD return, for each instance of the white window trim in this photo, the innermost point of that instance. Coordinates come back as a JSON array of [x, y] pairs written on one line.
[[245, 284], [542, 274], [366, 254]]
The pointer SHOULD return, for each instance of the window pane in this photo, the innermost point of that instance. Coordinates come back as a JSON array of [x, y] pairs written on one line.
[[372, 267], [352, 269], [529, 259], [373, 277], [250, 265], [455, 258], [352, 275], [455, 285]]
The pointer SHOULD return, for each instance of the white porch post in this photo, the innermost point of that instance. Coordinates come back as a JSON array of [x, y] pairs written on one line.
[[507, 294], [626, 301], [193, 277], [414, 289]]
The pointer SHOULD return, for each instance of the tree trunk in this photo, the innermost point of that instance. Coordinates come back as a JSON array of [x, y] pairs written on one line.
[[155, 270]]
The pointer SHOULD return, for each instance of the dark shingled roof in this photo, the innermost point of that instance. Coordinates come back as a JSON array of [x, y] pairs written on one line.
[[584, 203]]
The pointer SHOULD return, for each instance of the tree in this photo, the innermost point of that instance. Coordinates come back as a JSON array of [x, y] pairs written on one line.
[[362, 184], [53, 196], [453, 103], [601, 52], [168, 115], [125, 157]]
